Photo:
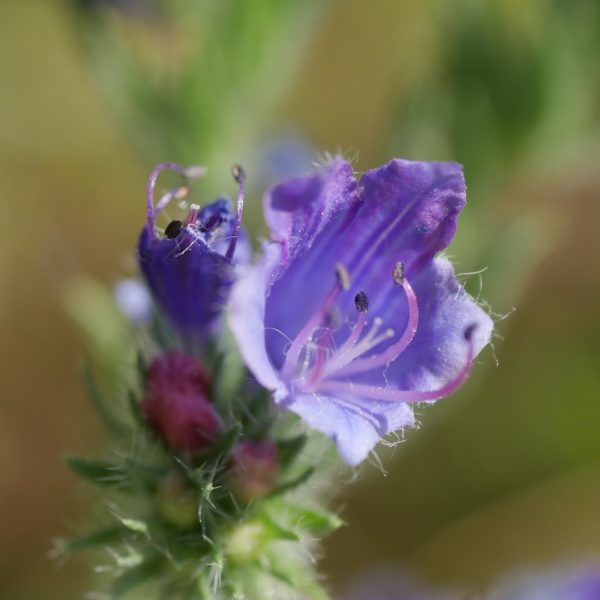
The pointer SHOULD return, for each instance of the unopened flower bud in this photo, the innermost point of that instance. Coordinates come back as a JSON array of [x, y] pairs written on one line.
[[177, 402], [254, 468]]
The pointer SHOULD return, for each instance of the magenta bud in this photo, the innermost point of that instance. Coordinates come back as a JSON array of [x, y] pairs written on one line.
[[254, 469], [177, 402]]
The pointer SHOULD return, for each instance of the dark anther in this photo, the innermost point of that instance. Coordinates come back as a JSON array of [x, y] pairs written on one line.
[[173, 229], [343, 277], [469, 331], [361, 300], [238, 173], [398, 273]]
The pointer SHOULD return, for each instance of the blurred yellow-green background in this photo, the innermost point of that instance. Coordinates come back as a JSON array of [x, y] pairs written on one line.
[[503, 476]]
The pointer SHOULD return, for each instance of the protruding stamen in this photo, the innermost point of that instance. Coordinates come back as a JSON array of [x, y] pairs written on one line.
[[300, 340], [352, 338], [349, 352], [324, 342], [238, 173], [240, 177], [343, 277], [173, 229], [361, 301], [211, 224], [469, 331], [398, 273], [188, 172], [178, 193], [391, 353], [410, 397]]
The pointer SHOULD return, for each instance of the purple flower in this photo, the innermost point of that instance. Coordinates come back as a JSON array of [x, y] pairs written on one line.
[[349, 317], [189, 268]]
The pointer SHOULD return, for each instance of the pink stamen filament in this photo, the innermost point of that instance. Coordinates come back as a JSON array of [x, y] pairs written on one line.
[[345, 360], [393, 395], [293, 354], [353, 337], [369, 341], [352, 366], [323, 345], [188, 172]]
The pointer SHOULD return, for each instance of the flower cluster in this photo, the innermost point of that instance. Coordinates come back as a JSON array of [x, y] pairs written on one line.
[[348, 317]]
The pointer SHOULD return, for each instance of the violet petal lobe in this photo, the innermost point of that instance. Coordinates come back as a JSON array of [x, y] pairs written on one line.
[[188, 279], [355, 426], [298, 209]]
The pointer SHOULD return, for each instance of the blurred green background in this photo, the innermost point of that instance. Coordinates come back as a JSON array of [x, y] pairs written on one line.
[[506, 474]]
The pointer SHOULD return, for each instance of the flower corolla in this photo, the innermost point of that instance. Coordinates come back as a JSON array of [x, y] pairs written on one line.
[[350, 316]]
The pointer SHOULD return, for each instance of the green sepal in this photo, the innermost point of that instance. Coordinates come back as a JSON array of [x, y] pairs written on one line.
[[276, 531], [229, 370], [135, 408], [288, 486], [227, 441], [100, 473], [142, 366], [135, 525], [137, 575], [294, 576], [315, 520], [260, 409], [101, 537], [288, 450], [129, 475]]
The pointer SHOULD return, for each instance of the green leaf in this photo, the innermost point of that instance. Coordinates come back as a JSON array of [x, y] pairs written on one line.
[[134, 406], [137, 575], [102, 537], [225, 444], [135, 525], [142, 365], [97, 472], [289, 449], [293, 484], [126, 476], [294, 575], [230, 372], [276, 531], [112, 422], [313, 519]]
